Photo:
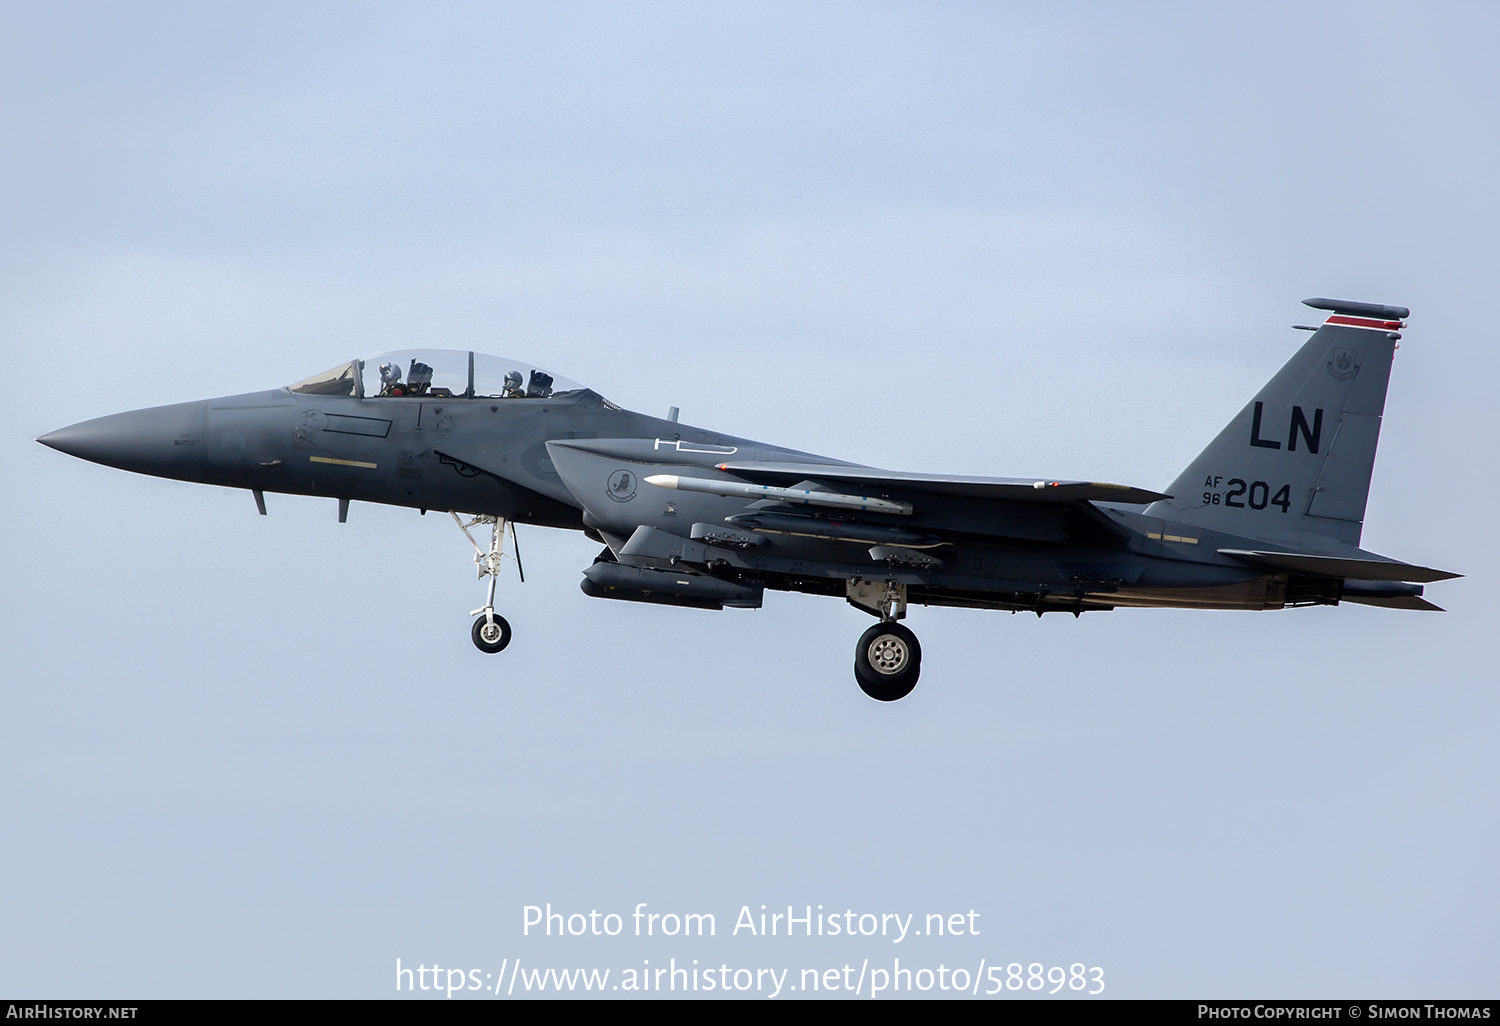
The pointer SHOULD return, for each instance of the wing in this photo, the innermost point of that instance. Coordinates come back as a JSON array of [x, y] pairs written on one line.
[[871, 478]]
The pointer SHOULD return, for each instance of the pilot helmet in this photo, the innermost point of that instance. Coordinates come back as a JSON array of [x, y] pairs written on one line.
[[390, 373], [513, 380]]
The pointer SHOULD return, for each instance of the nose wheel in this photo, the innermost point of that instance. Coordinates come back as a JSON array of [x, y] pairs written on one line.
[[887, 661], [491, 632]]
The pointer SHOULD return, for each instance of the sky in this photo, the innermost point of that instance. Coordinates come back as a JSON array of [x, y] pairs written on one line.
[[258, 757]]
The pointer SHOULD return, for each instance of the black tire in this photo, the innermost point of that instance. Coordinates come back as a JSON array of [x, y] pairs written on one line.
[[492, 644], [887, 662]]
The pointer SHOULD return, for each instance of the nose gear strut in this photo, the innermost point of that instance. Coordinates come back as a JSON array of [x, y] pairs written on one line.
[[491, 632]]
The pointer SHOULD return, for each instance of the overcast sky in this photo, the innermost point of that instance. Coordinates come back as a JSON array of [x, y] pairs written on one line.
[[245, 756]]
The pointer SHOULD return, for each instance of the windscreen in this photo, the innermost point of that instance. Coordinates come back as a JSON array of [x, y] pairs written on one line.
[[338, 381]]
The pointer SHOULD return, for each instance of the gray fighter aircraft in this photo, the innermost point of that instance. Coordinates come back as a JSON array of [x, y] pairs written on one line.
[[1268, 516]]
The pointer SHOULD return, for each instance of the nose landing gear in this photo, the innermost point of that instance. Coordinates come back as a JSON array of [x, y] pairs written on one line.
[[491, 632]]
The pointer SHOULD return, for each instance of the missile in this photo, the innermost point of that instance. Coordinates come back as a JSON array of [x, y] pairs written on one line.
[[833, 530], [796, 496]]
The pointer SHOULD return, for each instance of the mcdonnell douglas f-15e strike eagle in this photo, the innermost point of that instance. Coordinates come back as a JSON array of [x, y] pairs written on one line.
[[1268, 516]]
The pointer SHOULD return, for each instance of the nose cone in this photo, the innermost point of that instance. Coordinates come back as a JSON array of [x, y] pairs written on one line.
[[166, 441]]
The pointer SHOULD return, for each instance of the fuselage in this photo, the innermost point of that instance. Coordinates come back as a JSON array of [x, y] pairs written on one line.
[[1269, 515], [490, 455]]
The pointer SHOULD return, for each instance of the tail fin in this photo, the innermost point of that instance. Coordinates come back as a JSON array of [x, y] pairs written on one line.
[[1296, 461]]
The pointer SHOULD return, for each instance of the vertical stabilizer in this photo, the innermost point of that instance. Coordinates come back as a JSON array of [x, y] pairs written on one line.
[[1295, 463]]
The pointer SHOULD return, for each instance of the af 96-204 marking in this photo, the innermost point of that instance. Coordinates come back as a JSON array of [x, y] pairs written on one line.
[[1255, 495]]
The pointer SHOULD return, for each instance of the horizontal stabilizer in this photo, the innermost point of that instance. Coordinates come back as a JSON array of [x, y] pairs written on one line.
[[1398, 602], [1395, 602], [1388, 595], [1014, 489], [1335, 566]]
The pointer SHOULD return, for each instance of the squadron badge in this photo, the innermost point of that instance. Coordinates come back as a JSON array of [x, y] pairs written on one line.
[[621, 486], [1343, 364]]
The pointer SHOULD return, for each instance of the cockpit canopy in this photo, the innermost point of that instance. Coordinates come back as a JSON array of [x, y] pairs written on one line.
[[437, 374]]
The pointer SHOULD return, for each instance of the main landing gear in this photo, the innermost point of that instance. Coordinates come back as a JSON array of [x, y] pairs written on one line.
[[888, 658], [491, 632]]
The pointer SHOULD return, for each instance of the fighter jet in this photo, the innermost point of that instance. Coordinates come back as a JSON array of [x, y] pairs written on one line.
[[1267, 517]]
